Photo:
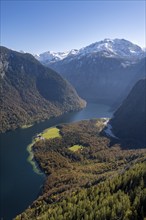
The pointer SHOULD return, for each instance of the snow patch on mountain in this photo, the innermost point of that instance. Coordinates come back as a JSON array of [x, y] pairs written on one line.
[[119, 48], [51, 56]]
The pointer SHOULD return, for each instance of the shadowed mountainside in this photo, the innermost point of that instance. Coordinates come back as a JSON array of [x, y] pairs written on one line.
[[31, 92], [102, 72], [107, 80], [129, 121]]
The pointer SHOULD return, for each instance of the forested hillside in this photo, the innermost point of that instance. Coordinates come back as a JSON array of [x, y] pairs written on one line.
[[122, 197], [87, 176], [31, 92]]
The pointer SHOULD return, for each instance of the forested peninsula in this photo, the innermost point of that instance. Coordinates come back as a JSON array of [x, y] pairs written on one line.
[[88, 175]]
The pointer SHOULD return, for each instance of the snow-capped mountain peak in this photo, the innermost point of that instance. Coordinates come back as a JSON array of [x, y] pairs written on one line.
[[119, 48], [51, 56]]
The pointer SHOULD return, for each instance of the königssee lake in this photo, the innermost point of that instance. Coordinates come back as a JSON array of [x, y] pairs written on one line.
[[20, 185]]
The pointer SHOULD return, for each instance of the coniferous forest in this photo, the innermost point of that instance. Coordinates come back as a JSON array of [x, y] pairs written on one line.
[[89, 176]]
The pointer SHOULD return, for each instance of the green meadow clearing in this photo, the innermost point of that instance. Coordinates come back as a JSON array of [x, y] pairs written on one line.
[[51, 133], [75, 148]]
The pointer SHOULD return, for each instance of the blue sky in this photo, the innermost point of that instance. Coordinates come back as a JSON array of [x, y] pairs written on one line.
[[37, 26]]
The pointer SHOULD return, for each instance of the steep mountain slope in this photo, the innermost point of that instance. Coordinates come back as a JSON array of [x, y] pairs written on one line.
[[31, 92], [101, 79], [129, 121], [104, 71]]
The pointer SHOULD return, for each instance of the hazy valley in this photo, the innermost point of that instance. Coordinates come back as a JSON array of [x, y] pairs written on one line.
[[102, 72]]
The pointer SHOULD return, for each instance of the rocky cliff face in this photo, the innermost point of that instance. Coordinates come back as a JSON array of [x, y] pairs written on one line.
[[31, 92], [129, 121]]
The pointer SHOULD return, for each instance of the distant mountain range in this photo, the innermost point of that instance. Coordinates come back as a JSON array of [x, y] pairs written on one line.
[[119, 48], [50, 56], [103, 72], [31, 92]]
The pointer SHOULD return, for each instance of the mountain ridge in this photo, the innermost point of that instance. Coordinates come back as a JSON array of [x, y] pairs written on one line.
[[110, 47], [31, 92]]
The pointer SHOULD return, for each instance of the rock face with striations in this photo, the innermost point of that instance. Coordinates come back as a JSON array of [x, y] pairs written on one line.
[[129, 121], [31, 92]]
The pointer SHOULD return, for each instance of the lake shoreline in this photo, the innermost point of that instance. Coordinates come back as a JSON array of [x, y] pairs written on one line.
[[75, 164], [26, 183], [32, 161]]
